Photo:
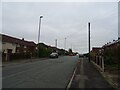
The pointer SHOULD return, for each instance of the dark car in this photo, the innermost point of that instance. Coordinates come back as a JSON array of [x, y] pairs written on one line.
[[54, 55]]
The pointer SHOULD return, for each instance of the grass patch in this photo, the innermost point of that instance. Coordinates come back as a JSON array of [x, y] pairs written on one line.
[[112, 67]]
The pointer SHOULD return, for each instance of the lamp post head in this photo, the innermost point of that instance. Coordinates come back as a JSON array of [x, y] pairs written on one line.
[[41, 16]]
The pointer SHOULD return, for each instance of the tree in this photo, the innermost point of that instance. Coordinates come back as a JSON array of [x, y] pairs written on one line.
[[70, 51]]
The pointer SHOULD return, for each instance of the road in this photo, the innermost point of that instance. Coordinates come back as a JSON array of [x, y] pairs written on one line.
[[50, 73]]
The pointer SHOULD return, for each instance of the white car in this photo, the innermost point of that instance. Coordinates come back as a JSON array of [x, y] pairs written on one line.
[[54, 55]]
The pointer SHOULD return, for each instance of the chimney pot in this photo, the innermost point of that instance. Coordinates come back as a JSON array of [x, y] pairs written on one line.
[[23, 39]]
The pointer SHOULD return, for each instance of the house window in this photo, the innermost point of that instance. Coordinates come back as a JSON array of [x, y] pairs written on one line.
[[3, 43], [25, 47], [17, 51], [3, 51], [13, 44], [24, 51], [18, 45], [9, 50]]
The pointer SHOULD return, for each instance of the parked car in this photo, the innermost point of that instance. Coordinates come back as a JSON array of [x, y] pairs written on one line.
[[54, 55]]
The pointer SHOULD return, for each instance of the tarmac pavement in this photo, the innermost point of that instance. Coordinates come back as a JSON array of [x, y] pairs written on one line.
[[87, 76]]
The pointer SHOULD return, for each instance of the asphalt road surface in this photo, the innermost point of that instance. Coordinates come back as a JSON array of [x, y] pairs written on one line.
[[50, 73]]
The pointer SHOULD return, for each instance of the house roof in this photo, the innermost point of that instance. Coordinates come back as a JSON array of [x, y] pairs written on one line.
[[112, 43], [43, 45], [96, 49], [52, 47], [9, 39]]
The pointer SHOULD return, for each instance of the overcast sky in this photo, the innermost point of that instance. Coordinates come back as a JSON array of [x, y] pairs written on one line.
[[60, 20]]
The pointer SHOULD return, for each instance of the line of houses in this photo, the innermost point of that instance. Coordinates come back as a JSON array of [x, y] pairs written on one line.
[[12, 45], [15, 45], [107, 57], [110, 45]]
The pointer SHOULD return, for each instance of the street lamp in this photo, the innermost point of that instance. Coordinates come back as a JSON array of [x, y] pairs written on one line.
[[65, 43], [39, 33], [39, 28]]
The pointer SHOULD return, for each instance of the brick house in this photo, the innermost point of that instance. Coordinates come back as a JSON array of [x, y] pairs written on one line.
[[110, 52], [15, 45], [111, 45], [96, 50]]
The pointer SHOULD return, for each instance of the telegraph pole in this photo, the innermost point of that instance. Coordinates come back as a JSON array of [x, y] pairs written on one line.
[[65, 44], [89, 39], [56, 43]]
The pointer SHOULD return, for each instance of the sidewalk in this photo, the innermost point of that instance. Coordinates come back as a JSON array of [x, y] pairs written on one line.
[[87, 76]]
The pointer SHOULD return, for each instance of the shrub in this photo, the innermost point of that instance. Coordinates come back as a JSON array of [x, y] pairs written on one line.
[[44, 52], [111, 57], [14, 56]]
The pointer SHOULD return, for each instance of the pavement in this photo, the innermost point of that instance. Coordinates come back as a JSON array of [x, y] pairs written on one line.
[[87, 76], [49, 73]]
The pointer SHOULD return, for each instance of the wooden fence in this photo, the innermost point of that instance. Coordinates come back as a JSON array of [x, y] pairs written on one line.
[[98, 61]]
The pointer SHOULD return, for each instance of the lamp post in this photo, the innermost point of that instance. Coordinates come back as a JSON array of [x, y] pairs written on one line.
[[71, 45], [39, 33]]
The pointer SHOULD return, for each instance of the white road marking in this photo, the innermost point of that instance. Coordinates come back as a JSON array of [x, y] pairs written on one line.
[[71, 79]]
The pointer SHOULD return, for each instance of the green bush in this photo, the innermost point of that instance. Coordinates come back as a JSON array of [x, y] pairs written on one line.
[[44, 52], [15, 56], [111, 57]]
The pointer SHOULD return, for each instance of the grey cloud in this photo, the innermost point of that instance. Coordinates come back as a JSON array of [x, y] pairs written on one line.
[[62, 20]]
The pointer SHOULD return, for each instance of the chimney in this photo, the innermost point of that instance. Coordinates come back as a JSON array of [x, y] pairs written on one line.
[[118, 38], [113, 40], [22, 39]]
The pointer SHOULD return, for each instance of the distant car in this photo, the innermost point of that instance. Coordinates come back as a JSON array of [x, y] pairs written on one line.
[[71, 55], [54, 55]]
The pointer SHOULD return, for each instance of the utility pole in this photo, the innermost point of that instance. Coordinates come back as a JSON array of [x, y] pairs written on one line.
[[89, 39], [65, 44], [56, 43]]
